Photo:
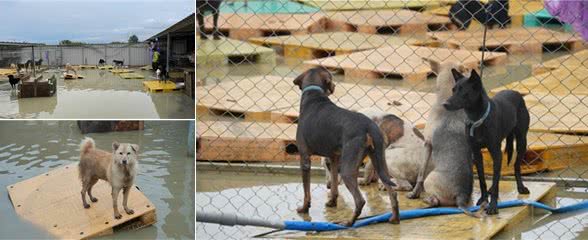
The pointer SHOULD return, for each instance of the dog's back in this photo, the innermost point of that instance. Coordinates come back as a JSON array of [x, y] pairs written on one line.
[[94, 162]]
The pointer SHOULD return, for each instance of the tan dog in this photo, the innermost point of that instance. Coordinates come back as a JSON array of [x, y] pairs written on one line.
[[69, 67], [118, 168]]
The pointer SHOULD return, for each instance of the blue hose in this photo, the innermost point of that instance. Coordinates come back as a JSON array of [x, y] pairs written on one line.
[[418, 213]]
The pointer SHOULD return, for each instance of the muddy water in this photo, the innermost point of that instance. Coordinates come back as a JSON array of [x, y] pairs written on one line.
[[166, 174], [100, 95]]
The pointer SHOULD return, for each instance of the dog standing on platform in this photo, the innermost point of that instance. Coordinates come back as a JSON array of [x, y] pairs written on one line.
[[344, 136], [118, 168]]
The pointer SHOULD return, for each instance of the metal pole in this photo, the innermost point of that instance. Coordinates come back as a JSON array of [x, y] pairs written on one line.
[[34, 72], [129, 48], [167, 53]]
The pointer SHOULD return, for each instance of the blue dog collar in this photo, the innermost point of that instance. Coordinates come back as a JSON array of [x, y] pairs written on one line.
[[481, 120], [312, 87]]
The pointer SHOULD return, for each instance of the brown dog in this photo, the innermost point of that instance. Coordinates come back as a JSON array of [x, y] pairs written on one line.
[[118, 168], [344, 136]]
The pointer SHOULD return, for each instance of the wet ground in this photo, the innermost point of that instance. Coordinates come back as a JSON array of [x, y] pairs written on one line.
[[166, 173], [100, 95]]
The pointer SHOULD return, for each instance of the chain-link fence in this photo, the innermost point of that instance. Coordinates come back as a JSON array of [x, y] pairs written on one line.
[[16, 54], [383, 55]]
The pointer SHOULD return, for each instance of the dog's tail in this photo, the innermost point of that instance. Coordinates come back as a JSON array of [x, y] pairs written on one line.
[[378, 159], [509, 147], [86, 145]]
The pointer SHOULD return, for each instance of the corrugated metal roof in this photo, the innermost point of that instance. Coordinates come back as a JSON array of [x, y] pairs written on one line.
[[185, 25]]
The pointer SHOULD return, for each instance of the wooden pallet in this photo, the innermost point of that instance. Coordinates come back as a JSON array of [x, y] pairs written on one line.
[[274, 98], [131, 75], [371, 4], [404, 22], [119, 71], [157, 86], [513, 40], [267, 7], [459, 226], [564, 81], [560, 114], [402, 61], [147, 67], [7, 71], [87, 66], [225, 51], [106, 67], [569, 62], [243, 26], [69, 76], [51, 201], [320, 45]]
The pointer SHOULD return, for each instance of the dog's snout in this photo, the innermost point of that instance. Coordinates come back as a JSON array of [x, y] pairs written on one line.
[[446, 105], [124, 162]]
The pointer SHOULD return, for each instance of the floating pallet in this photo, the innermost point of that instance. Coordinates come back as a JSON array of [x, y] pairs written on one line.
[[106, 67], [7, 71], [274, 98], [243, 26], [371, 4], [560, 114], [87, 66], [157, 86], [51, 201], [513, 40], [320, 45], [131, 75], [119, 71], [266, 7], [69, 76], [564, 81], [147, 67], [226, 51], [403, 61], [263, 141], [404, 22], [570, 62]]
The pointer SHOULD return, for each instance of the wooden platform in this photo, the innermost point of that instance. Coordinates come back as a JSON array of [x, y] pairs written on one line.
[[400, 21], [567, 80], [87, 66], [226, 51], [69, 76], [274, 98], [563, 114], [512, 40], [131, 75], [404, 61], [459, 226], [365, 4], [157, 86], [243, 26], [52, 202], [7, 71], [119, 71], [571, 62], [267, 7], [320, 45], [147, 67], [106, 67]]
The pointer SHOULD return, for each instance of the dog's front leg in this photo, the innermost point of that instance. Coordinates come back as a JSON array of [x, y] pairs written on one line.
[[115, 191], [305, 167], [334, 171], [496, 153], [126, 191], [478, 162], [200, 18]]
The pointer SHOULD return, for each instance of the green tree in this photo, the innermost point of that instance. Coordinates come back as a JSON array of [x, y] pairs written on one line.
[[70, 43], [133, 39]]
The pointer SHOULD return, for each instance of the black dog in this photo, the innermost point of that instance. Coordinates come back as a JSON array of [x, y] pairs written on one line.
[[489, 122], [38, 63], [203, 6], [344, 136], [495, 13], [101, 62], [13, 81], [28, 64], [118, 63]]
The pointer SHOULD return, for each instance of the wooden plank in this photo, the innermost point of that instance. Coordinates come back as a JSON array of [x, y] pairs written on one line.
[[7, 71], [377, 4], [571, 62], [403, 61], [106, 67], [400, 21], [562, 114], [87, 66], [274, 98], [157, 86], [131, 75], [459, 226], [514, 40], [118, 71], [243, 26], [563, 81], [316, 45], [51, 201], [69, 76], [227, 50]]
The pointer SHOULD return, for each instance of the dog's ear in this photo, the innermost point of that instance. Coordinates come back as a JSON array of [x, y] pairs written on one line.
[[475, 78], [135, 148], [298, 80], [327, 81], [456, 74], [115, 145]]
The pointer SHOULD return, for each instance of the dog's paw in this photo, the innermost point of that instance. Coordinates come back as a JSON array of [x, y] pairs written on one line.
[[117, 216], [412, 195], [394, 220], [203, 37], [345, 223], [94, 199], [303, 209], [492, 209], [331, 203], [130, 211], [483, 199], [523, 190], [216, 36], [86, 205], [381, 187]]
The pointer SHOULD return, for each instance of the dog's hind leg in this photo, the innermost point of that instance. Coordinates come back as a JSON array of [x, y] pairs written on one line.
[[200, 18], [85, 184], [334, 172], [351, 156], [305, 167], [418, 188], [126, 191], [90, 185], [521, 152], [369, 174], [216, 33]]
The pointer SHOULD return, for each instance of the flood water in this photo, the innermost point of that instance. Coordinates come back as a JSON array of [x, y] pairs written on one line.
[[100, 95], [165, 176]]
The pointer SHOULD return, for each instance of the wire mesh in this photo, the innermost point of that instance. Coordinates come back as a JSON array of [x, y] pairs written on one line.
[[379, 53]]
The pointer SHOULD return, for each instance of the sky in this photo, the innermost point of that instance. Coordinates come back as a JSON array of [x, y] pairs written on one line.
[[90, 21]]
